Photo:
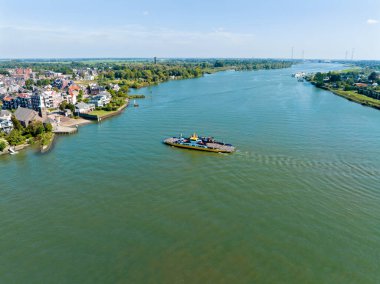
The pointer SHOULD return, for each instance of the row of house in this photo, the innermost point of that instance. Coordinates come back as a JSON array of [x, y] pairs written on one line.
[[99, 100], [47, 99]]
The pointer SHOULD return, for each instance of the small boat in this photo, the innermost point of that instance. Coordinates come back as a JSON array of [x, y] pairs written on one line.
[[200, 143], [135, 104], [12, 151]]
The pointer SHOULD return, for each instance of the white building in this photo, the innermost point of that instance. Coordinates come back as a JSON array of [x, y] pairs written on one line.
[[84, 108], [6, 124]]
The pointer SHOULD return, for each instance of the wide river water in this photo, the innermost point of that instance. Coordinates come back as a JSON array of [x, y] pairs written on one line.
[[299, 202]]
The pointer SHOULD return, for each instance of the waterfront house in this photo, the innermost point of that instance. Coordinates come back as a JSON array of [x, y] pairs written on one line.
[[5, 115], [84, 108], [101, 100], [26, 116], [6, 124]]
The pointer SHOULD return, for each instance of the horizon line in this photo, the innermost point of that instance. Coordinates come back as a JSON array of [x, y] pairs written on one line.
[[171, 58]]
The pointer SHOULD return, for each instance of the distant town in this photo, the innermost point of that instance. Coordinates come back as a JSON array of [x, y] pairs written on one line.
[[40, 99], [52, 103]]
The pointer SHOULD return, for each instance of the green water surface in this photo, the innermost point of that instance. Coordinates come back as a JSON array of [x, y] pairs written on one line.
[[299, 202]]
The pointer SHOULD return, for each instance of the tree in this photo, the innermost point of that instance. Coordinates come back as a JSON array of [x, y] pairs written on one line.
[[29, 84], [334, 77], [80, 96], [15, 138], [373, 76], [71, 107], [218, 63], [35, 128], [63, 105], [318, 77], [2, 145], [48, 127], [16, 124]]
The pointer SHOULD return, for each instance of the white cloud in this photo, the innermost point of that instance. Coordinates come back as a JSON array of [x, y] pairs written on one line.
[[145, 13], [127, 41], [372, 21]]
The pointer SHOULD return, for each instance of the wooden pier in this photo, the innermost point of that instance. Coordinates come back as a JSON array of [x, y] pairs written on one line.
[[65, 130]]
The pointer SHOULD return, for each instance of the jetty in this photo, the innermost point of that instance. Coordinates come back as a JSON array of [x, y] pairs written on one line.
[[64, 130]]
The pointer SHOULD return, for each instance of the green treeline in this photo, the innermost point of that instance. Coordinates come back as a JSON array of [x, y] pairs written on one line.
[[146, 70], [142, 74]]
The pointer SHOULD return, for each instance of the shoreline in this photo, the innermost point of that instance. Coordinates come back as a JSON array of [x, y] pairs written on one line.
[[71, 125], [356, 98]]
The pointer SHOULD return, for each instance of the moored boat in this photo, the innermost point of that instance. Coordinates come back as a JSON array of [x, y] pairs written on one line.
[[12, 151], [194, 142]]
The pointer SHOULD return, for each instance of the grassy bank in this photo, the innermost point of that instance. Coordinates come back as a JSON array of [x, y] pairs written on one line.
[[100, 114], [358, 98], [352, 96], [46, 141]]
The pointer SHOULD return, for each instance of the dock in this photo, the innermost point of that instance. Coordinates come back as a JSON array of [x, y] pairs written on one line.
[[65, 130]]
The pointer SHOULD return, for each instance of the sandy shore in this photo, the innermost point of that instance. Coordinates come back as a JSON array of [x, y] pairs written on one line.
[[71, 122]]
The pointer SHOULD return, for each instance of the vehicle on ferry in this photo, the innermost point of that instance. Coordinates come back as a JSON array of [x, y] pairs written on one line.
[[195, 142]]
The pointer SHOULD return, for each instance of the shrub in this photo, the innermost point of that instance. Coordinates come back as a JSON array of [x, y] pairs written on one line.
[[2, 145], [15, 138]]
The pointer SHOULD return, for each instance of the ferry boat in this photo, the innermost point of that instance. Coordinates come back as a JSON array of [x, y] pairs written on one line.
[[200, 143]]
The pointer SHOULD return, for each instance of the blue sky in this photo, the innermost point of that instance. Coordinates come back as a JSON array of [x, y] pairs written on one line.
[[208, 28]]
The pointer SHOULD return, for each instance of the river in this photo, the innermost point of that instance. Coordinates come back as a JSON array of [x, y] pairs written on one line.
[[297, 203]]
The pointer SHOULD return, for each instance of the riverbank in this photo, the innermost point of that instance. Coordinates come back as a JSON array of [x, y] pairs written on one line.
[[357, 98], [360, 85], [16, 148], [352, 96], [104, 114], [70, 126], [43, 146], [47, 142]]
